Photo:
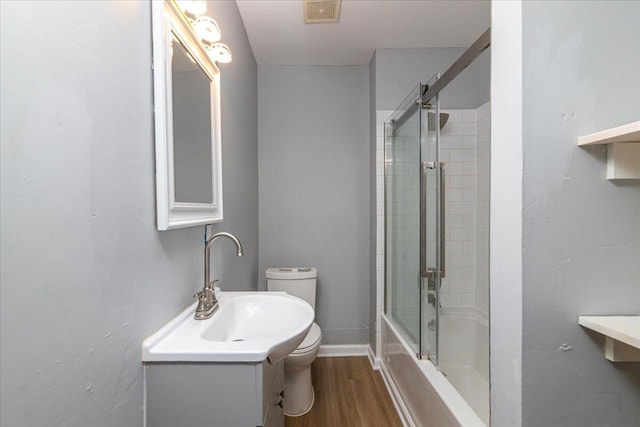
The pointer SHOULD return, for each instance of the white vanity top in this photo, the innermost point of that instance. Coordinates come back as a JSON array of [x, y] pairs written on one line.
[[248, 327]]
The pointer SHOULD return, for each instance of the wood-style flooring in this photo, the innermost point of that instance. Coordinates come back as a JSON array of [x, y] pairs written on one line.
[[349, 393]]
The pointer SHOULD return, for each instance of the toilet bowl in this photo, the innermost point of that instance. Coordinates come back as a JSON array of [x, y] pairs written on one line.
[[298, 388]]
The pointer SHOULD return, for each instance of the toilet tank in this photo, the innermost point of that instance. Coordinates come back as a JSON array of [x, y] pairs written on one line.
[[299, 282]]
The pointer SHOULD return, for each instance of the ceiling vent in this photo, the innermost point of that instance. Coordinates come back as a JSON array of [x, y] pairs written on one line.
[[321, 11]]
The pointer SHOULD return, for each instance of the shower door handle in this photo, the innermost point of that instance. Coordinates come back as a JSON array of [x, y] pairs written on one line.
[[443, 254], [429, 273], [424, 270]]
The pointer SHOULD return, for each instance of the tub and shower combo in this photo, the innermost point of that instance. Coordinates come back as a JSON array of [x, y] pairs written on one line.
[[434, 330]]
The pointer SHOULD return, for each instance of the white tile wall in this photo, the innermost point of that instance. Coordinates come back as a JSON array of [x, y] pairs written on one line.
[[458, 147]]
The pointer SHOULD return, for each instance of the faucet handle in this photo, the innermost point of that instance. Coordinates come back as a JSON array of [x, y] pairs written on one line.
[[212, 285], [200, 295]]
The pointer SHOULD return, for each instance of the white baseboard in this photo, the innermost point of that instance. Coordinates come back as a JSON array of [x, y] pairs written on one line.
[[396, 398], [375, 362], [343, 350]]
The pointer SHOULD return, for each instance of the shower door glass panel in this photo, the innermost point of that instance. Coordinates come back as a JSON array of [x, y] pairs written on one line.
[[430, 265], [402, 218]]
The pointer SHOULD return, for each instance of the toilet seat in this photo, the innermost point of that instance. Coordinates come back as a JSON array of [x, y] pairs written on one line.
[[311, 341]]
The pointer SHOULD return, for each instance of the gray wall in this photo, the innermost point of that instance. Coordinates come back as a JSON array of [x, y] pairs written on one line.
[[581, 242], [373, 211], [85, 275], [239, 89], [482, 66], [314, 186], [398, 71], [471, 88]]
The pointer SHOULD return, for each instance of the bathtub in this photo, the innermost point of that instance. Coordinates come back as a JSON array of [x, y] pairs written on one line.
[[456, 393]]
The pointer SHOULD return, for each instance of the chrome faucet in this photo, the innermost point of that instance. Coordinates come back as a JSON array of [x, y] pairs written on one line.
[[207, 302]]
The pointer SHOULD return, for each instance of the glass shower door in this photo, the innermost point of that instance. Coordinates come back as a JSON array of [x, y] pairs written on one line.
[[413, 176], [402, 218]]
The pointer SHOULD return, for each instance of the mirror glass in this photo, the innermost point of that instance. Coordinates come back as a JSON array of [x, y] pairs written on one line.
[[193, 169]]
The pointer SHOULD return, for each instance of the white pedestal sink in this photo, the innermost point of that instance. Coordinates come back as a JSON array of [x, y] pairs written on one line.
[[226, 370], [248, 327]]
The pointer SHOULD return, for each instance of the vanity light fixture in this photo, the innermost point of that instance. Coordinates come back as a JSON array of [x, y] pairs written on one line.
[[219, 52], [193, 7], [207, 29]]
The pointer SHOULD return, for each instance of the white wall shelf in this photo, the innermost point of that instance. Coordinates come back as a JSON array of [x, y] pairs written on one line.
[[625, 133], [623, 149], [622, 335]]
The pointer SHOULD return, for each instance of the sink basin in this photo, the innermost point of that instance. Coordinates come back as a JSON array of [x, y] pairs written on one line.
[[255, 317], [248, 327]]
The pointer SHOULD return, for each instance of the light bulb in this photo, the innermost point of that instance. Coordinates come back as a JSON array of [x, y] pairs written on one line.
[[207, 29], [194, 7], [219, 52]]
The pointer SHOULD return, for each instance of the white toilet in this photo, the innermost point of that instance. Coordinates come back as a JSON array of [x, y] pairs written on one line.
[[298, 390]]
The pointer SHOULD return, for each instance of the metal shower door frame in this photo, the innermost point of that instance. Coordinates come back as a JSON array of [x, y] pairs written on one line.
[[430, 273]]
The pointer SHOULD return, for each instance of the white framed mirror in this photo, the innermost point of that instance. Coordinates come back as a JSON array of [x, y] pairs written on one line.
[[187, 123]]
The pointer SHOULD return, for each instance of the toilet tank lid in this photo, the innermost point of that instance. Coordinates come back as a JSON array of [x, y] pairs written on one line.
[[292, 273]]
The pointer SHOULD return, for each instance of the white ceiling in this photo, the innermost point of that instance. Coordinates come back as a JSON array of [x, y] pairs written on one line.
[[279, 36]]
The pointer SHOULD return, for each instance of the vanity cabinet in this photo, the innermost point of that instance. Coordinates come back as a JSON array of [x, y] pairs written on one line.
[[273, 400], [214, 394]]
